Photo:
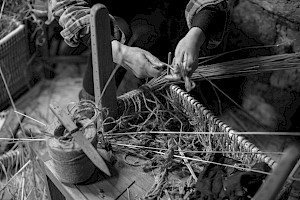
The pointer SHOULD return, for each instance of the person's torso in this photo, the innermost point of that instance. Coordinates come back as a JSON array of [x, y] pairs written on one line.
[[128, 9]]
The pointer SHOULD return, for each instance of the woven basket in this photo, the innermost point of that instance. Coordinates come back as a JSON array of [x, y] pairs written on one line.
[[14, 54], [203, 120]]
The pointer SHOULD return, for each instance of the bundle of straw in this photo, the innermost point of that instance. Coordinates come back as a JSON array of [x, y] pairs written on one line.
[[235, 68]]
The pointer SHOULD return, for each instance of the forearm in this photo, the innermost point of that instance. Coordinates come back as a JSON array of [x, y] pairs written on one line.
[[210, 16], [197, 36]]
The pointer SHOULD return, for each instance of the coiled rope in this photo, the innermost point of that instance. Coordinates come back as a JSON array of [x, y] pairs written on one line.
[[70, 163]]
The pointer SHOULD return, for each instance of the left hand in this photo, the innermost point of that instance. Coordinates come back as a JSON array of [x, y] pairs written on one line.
[[185, 60]]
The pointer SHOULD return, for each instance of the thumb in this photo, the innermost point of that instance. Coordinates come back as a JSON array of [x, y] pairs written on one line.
[[154, 66], [152, 71], [154, 60]]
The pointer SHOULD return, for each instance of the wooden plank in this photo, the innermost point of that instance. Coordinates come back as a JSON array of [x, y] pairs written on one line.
[[102, 59], [125, 175], [122, 177], [102, 189], [105, 188], [54, 191], [68, 190], [274, 182]]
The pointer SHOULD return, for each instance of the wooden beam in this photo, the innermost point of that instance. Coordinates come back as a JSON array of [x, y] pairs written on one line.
[[274, 182], [102, 59]]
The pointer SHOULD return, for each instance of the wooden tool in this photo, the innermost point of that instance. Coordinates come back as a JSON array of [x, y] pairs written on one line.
[[76, 133], [102, 60], [169, 62], [274, 182]]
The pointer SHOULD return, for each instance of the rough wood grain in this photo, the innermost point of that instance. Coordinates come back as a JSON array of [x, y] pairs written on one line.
[[102, 59]]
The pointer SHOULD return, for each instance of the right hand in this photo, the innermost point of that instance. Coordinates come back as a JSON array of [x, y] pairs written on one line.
[[141, 62], [187, 51]]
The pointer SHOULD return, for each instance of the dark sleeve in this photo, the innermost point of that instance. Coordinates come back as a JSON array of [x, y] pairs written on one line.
[[209, 20]]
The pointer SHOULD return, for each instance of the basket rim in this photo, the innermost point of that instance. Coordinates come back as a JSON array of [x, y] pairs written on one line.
[[239, 139], [7, 37]]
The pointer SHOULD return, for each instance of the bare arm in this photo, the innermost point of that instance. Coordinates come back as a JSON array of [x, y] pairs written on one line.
[[202, 16]]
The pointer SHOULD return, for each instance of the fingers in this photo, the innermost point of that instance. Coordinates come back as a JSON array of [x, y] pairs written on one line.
[[152, 72], [154, 61], [154, 66], [173, 77], [178, 61], [189, 66]]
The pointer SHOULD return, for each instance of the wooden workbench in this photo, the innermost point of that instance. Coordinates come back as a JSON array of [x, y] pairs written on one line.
[[100, 186]]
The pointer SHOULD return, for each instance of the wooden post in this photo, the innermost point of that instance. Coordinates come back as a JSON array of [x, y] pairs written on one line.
[[102, 59], [274, 182]]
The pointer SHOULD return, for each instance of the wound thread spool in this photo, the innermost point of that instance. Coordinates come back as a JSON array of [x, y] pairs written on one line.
[[70, 163]]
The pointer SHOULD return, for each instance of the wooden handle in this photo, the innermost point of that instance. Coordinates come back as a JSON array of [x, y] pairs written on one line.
[[63, 118], [102, 59], [274, 182]]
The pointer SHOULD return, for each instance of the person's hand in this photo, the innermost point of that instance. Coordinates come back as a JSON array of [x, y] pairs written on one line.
[[142, 63], [185, 60]]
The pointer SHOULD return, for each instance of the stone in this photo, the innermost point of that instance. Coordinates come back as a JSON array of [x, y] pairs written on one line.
[[255, 22], [263, 112], [286, 79], [295, 37], [284, 101], [288, 9]]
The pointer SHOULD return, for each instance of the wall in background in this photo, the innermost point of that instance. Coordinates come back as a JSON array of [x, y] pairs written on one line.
[[272, 98]]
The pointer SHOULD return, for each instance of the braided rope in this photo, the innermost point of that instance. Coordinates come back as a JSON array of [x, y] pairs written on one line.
[[204, 120], [133, 101]]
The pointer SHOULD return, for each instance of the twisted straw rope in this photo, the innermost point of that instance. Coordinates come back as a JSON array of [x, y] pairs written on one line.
[[194, 109], [203, 120]]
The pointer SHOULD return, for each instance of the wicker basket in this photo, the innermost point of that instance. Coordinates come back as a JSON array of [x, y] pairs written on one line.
[[14, 54], [202, 120]]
